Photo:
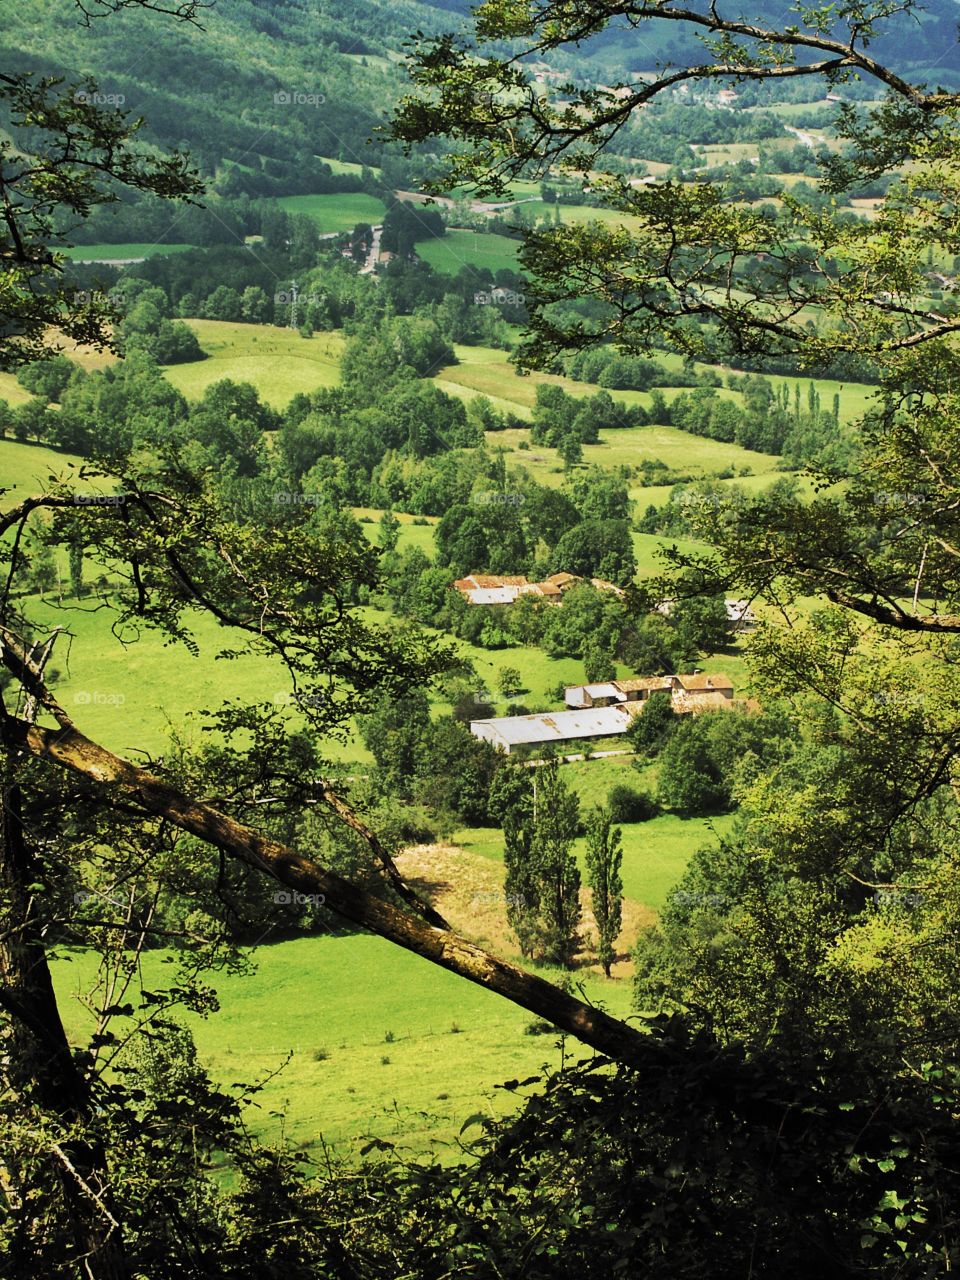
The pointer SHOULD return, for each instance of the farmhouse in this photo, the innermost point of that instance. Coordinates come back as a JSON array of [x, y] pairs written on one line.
[[494, 588], [499, 589], [605, 709], [688, 693]]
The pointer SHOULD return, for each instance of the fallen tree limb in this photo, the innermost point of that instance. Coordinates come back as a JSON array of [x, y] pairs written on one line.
[[69, 749]]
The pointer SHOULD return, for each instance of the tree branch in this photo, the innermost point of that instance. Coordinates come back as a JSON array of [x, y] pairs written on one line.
[[69, 749]]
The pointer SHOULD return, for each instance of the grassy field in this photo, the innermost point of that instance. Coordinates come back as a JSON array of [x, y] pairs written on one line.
[[681, 451], [339, 212], [461, 248], [127, 695], [655, 853], [409, 534], [278, 362], [118, 252], [341, 997], [347, 166], [11, 390], [25, 468]]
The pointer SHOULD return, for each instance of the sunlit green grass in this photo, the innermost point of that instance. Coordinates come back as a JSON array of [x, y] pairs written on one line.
[[340, 211], [278, 362], [461, 248], [120, 252], [340, 997], [27, 468], [655, 853]]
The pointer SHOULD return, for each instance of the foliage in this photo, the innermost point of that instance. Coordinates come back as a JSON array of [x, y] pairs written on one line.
[[603, 857]]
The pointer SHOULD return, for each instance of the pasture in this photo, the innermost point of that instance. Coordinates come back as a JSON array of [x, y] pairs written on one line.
[[383, 1043], [461, 248], [127, 252], [338, 212], [278, 362], [27, 468]]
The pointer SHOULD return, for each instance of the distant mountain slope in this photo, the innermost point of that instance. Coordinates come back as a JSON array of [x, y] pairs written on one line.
[[269, 85], [925, 44]]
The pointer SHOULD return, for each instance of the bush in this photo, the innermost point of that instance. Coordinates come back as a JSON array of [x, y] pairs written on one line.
[[627, 804]]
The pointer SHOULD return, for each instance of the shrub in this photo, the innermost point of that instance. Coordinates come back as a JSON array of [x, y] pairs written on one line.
[[627, 804]]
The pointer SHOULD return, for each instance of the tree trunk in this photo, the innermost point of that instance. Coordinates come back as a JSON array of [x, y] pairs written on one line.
[[37, 1061]]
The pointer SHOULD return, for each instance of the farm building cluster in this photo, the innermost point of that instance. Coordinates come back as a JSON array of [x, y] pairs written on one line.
[[606, 709], [505, 589], [495, 588]]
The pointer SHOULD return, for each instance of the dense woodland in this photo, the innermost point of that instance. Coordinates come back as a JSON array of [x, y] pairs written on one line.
[[781, 1095]]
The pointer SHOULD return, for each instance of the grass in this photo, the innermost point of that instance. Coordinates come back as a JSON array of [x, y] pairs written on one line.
[[347, 166], [126, 696], [655, 853], [342, 995], [488, 371], [461, 248], [630, 447], [340, 211], [408, 535], [25, 468], [12, 391], [278, 362], [117, 252], [647, 546]]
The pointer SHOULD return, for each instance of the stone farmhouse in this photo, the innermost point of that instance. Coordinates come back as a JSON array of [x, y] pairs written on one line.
[[687, 693]]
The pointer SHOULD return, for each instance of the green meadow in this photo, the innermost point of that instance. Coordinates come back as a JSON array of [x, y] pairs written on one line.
[[347, 166], [655, 853], [278, 362], [338, 212], [414, 531], [383, 1043], [120, 252], [461, 248], [26, 468]]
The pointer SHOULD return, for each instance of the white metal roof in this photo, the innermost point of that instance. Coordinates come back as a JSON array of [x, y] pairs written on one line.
[[492, 595], [557, 726]]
